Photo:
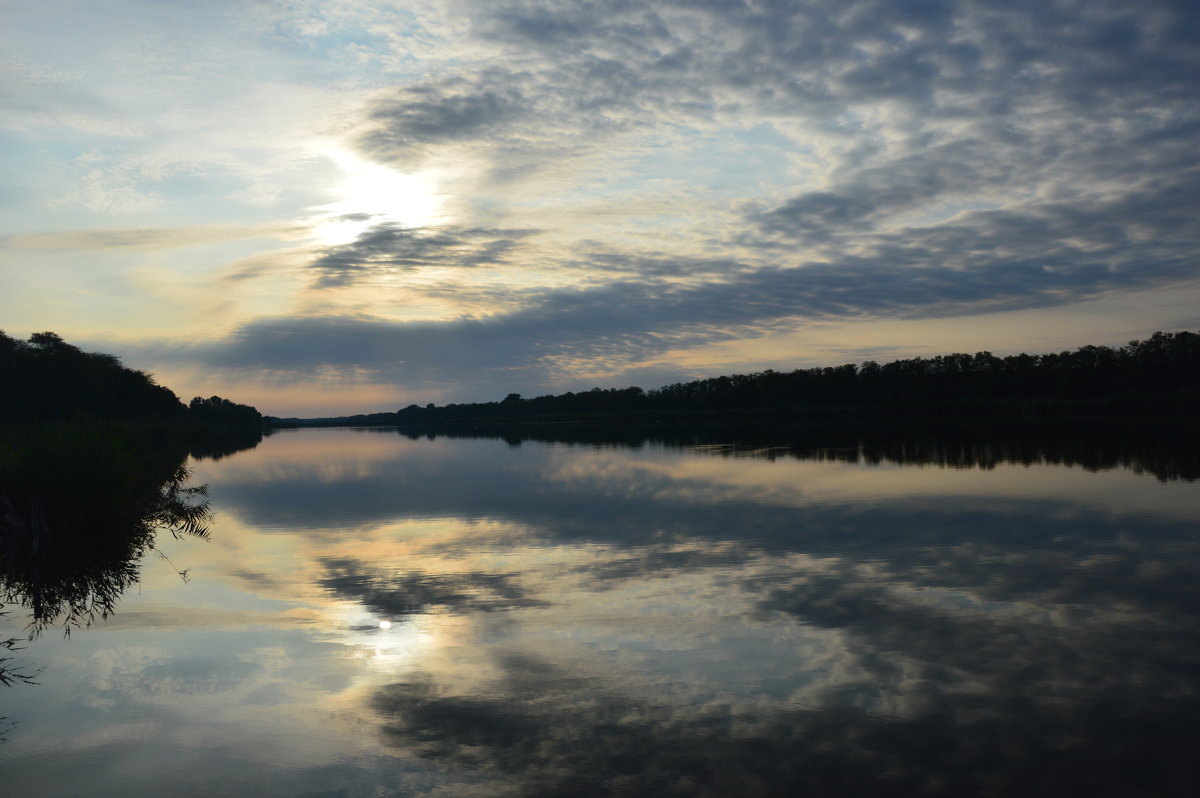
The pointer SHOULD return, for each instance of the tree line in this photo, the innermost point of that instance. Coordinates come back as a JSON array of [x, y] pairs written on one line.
[[45, 379], [92, 466], [1163, 369]]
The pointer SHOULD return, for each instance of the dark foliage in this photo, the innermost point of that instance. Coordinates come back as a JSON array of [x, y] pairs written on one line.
[[1092, 446], [47, 379], [91, 467], [80, 506], [1098, 383], [215, 411], [1167, 363], [217, 442]]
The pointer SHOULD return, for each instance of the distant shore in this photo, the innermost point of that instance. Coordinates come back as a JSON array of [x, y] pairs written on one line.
[[1155, 382]]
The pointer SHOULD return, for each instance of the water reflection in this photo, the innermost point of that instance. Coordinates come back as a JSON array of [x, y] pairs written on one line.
[[380, 614], [392, 595], [79, 508], [213, 444], [1093, 447]]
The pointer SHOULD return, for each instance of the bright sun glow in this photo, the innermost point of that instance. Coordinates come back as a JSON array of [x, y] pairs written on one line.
[[385, 624], [371, 194]]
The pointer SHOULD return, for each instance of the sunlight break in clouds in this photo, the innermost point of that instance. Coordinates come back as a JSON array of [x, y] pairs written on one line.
[[371, 194], [535, 196]]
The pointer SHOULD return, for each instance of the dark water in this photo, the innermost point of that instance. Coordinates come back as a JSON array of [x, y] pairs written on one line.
[[377, 615]]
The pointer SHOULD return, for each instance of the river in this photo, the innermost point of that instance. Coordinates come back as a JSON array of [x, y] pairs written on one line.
[[382, 614]]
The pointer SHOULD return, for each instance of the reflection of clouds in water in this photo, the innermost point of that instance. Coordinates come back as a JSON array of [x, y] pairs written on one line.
[[574, 621], [198, 674], [162, 675], [933, 700], [962, 645], [391, 595], [582, 730], [587, 494], [778, 476]]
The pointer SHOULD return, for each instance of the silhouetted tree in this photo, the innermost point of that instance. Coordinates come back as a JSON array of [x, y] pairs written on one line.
[[47, 379], [222, 412], [1163, 370]]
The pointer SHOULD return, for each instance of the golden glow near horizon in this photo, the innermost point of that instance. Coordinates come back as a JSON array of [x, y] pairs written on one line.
[[348, 207]]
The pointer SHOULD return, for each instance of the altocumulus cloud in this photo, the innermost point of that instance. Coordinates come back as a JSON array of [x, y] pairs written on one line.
[[1002, 261], [388, 247], [954, 158]]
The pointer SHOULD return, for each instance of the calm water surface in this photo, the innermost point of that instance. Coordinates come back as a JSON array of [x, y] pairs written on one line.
[[377, 615]]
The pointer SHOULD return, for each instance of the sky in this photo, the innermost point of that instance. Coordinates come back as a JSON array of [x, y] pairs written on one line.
[[326, 207]]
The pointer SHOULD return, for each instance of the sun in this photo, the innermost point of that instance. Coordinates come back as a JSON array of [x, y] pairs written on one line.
[[369, 194]]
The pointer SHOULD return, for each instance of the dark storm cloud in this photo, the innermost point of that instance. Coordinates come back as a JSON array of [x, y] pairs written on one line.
[[391, 247]]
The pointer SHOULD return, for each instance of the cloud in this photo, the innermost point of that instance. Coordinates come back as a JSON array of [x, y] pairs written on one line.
[[389, 247], [911, 160], [979, 262], [151, 238], [394, 596], [954, 62], [960, 158], [910, 105], [454, 109]]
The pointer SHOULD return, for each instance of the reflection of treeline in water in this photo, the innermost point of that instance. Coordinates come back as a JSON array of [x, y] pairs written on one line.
[[91, 467], [1095, 447], [80, 507], [1160, 374], [47, 380]]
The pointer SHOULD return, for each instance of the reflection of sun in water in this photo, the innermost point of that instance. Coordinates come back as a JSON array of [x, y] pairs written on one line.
[[382, 645], [371, 194]]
